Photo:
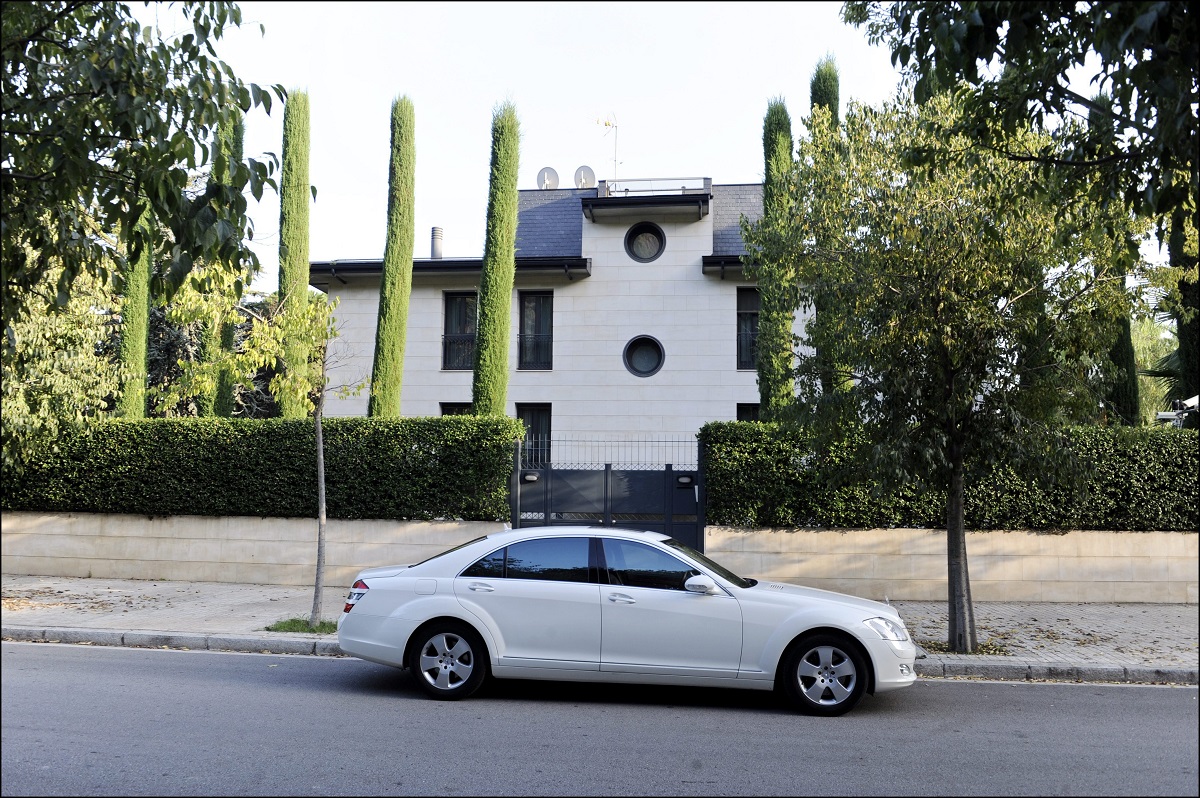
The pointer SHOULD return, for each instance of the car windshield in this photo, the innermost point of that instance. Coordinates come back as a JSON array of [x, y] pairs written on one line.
[[724, 572]]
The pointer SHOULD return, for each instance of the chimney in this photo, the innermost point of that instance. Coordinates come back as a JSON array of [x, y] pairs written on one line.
[[435, 244]]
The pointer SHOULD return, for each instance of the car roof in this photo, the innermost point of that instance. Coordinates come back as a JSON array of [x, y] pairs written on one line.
[[509, 535]]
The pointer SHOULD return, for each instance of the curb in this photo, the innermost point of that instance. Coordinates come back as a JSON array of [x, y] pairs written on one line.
[[988, 667], [267, 643]]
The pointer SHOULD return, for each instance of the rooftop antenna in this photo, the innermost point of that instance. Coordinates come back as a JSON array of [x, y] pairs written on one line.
[[611, 122]]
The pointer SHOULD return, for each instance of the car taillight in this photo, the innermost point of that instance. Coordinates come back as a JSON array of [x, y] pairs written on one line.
[[357, 591]]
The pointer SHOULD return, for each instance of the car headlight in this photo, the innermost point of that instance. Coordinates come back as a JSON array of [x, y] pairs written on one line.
[[887, 629]]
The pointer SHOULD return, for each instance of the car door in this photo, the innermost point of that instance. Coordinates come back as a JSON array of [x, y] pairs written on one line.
[[651, 624], [540, 600]]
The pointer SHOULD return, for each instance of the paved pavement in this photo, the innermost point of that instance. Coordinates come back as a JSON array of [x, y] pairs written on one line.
[[1139, 643]]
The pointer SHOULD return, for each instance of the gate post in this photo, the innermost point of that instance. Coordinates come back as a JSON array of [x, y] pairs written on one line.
[[608, 494], [668, 499], [514, 488]]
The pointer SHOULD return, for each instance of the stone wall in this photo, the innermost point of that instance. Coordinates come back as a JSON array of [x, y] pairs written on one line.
[[903, 564]]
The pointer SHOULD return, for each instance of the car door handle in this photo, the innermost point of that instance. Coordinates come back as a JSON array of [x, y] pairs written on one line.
[[479, 587], [620, 598]]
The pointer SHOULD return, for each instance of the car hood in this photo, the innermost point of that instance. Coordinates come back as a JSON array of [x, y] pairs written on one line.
[[783, 593]]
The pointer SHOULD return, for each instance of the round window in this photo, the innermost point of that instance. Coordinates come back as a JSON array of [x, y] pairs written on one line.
[[645, 241], [643, 356]]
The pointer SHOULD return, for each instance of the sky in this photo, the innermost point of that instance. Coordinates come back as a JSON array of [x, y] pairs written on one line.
[[685, 86]]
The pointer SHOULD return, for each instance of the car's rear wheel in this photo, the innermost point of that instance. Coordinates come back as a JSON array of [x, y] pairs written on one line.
[[824, 675], [448, 660]]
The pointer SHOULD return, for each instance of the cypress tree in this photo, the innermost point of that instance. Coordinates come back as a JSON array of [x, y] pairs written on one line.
[[490, 385], [823, 88], [135, 329], [294, 191], [216, 334], [776, 385], [824, 92], [387, 372]]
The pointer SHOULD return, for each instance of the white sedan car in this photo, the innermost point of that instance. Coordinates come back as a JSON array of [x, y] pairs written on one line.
[[598, 604]]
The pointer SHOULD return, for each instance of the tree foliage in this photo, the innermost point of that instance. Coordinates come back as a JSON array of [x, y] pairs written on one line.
[[217, 332], [1146, 55], [490, 383], [958, 317], [102, 119], [395, 288], [59, 378], [1013, 62]]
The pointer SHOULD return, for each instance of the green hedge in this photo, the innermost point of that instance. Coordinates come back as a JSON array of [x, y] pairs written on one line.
[[454, 467], [763, 475], [458, 467]]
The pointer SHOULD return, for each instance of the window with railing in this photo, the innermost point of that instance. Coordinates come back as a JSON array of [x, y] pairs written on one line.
[[748, 305], [536, 446], [458, 339], [535, 337]]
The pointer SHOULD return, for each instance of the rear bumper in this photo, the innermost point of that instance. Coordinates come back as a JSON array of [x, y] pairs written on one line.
[[375, 638]]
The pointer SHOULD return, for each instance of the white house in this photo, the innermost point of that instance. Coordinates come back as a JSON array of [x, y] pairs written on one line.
[[631, 317]]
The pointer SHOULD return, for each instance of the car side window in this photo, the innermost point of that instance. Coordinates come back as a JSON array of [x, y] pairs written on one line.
[[491, 566], [553, 559], [634, 564], [557, 559]]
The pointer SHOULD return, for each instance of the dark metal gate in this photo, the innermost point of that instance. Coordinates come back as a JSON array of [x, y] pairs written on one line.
[[640, 484]]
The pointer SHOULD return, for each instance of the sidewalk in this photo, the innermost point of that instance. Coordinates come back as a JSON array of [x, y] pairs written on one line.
[[1138, 643]]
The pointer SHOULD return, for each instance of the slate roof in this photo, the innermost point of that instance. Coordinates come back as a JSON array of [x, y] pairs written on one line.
[[729, 204], [550, 222]]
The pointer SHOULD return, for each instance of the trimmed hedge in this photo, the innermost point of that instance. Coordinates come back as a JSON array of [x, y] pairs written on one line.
[[458, 467], [454, 467], [761, 475]]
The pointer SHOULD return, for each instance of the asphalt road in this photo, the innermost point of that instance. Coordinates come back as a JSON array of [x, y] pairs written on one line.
[[120, 721]]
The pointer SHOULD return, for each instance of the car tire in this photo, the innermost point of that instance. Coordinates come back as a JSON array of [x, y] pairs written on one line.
[[448, 660], [824, 675]]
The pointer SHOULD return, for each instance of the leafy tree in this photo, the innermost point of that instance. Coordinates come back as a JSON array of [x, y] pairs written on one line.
[[60, 377], [773, 355], [135, 327], [1147, 56], [937, 281], [293, 237], [102, 118], [388, 371], [490, 383]]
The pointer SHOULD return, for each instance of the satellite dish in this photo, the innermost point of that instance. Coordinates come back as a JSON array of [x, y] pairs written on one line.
[[585, 177], [547, 178]]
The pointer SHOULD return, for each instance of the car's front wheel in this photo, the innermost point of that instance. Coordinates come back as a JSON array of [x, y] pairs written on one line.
[[824, 675], [448, 660]]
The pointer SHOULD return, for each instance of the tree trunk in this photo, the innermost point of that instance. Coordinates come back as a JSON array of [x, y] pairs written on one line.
[[319, 583], [961, 611]]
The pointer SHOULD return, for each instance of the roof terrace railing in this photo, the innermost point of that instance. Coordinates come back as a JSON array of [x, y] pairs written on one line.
[[643, 186]]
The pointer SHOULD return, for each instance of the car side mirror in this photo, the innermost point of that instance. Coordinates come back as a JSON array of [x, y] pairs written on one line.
[[700, 584]]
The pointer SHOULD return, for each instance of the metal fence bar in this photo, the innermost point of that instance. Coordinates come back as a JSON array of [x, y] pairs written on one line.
[[595, 453]]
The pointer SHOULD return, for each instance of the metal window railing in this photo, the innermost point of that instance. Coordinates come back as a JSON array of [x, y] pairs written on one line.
[[458, 351], [747, 350], [535, 351]]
